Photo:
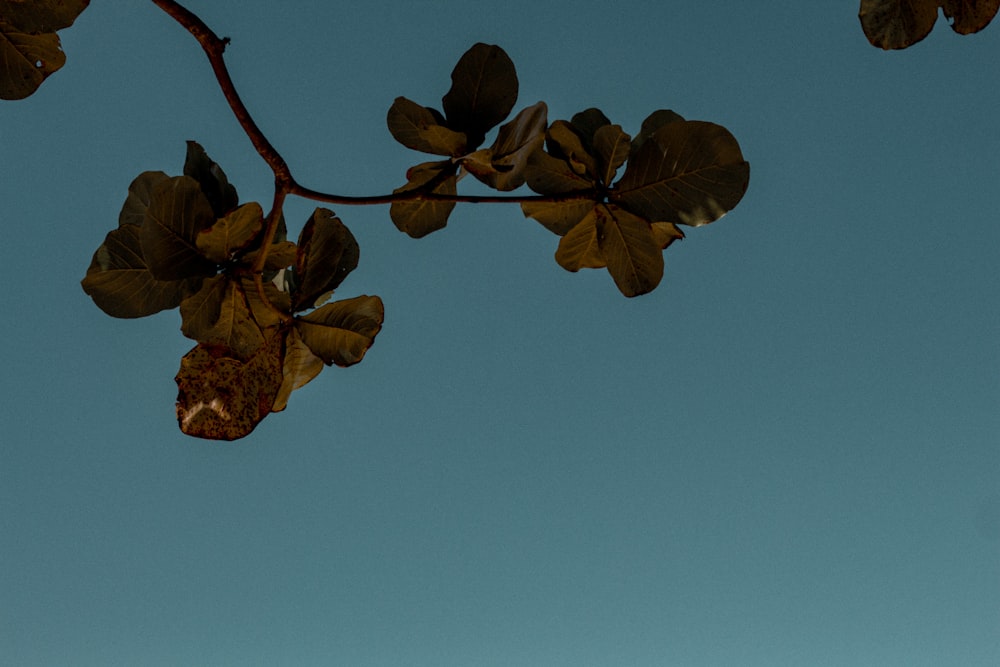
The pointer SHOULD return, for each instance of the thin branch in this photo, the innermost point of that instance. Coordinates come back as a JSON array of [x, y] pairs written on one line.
[[420, 195]]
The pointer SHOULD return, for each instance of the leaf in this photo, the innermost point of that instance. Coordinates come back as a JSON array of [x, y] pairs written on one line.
[[483, 91], [580, 247], [564, 141], [665, 233], [897, 24], [213, 182], [219, 314], [26, 60], [587, 123], [122, 286], [341, 332], [420, 218], [969, 16], [231, 233], [635, 259], [327, 252], [558, 217], [611, 146], [650, 125], [549, 175], [262, 314], [502, 166], [418, 128], [37, 16], [140, 192], [688, 172], [177, 213], [301, 367], [221, 397]]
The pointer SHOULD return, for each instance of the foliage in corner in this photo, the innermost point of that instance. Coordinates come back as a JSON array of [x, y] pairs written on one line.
[[29, 45], [186, 241], [897, 24], [257, 304]]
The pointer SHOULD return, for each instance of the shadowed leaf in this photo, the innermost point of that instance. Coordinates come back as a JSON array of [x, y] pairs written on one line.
[[969, 16], [341, 332], [420, 218], [120, 283], [35, 16], [327, 252], [634, 258], [140, 192], [502, 166], [564, 141], [300, 367], [687, 172], [418, 128], [263, 315], [231, 233], [558, 217], [221, 397], [177, 213], [26, 60], [213, 182], [219, 314], [550, 175], [580, 247], [897, 24], [483, 91], [611, 146], [650, 125]]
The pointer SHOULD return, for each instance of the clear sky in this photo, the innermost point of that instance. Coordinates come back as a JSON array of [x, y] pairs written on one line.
[[788, 454]]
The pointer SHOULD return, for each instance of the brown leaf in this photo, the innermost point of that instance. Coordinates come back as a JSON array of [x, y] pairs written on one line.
[[897, 24]]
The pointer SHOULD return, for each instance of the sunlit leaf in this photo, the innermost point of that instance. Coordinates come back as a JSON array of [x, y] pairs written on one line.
[[634, 258], [688, 172], [341, 332], [222, 397], [213, 182], [120, 283], [969, 16], [327, 253], [483, 91], [420, 218], [140, 192], [502, 166], [219, 314], [558, 217], [231, 233], [897, 24], [177, 213], [580, 247], [301, 367], [418, 128]]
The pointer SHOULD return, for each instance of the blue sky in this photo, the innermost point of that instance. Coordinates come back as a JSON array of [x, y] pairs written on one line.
[[787, 454]]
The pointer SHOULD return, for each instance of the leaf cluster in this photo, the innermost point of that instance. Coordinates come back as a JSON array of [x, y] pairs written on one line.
[[897, 24], [186, 241], [29, 45], [676, 172]]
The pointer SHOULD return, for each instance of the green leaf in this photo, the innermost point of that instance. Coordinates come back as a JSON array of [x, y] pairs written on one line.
[[222, 397], [558, 217], [418, 128], [969, 16], [140, 193], [611, 145], [688, 172], [341, 332], [213, 182], [219, 314], [231, 233], [634, 258], [122, 286], [580, 247], [897, 24], [301, 367], [483, 91], [177, 213], [420, 218], [327, 252], [502, 166]]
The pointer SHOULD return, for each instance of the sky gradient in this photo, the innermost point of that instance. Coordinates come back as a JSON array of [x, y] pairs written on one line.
[[786, 455]]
